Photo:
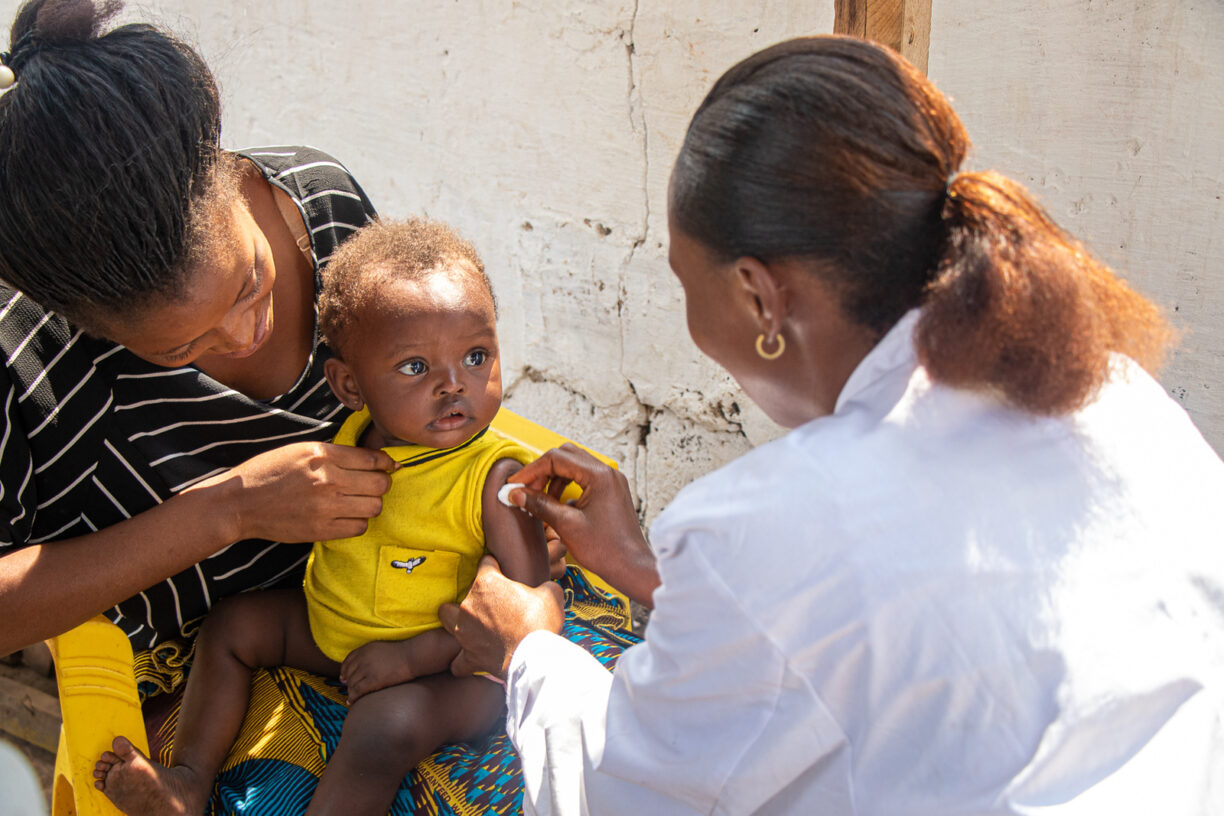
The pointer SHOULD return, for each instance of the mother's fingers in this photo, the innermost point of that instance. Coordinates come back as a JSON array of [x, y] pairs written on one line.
[[362, 482], [358, 458]]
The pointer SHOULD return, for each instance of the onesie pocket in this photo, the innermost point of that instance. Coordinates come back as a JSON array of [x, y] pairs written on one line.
[[410, 585]]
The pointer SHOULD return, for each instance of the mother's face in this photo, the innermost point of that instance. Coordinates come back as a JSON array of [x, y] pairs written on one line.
[[225, 309]]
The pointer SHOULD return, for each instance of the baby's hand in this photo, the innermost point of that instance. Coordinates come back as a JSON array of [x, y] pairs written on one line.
[[375, 666]]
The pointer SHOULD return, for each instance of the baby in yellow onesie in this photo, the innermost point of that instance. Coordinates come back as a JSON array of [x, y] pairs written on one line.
[[408, 312], [418, 554]]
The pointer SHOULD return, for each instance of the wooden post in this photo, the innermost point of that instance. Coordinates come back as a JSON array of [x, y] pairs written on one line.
[[902, 25]]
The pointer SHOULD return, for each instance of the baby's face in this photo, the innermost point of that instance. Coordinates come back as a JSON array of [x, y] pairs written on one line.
[[424, 357]]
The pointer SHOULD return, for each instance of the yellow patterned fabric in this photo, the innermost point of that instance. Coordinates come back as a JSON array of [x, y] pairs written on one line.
[[163, 668], [419, 553]]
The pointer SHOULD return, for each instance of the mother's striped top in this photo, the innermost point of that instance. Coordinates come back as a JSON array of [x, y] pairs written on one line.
[[93, 434]]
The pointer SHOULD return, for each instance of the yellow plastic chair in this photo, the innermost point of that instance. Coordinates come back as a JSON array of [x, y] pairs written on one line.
[[98, 701], [97, 686]]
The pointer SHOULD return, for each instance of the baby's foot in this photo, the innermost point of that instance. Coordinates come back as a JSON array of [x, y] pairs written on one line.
[[374, 666], [140, 787]]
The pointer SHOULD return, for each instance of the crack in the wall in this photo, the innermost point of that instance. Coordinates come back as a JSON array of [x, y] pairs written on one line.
[[731, 414], [648, 413], [633, 430], [535, 375], [637, 121], [641, 470], [647, 423]]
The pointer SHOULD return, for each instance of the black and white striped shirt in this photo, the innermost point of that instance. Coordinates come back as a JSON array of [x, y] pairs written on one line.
[[93, 434]]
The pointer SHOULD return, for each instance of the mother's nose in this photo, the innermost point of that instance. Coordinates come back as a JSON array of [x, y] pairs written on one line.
[[237, 330]]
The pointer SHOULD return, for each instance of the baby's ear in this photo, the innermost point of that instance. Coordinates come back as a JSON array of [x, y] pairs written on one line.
[[343, 383]]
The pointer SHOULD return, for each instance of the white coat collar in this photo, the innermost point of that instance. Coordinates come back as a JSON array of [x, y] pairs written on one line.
[[894, 351]]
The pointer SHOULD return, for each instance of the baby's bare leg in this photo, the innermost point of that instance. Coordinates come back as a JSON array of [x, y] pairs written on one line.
[[387, 732], [242, 633], [384, 663]]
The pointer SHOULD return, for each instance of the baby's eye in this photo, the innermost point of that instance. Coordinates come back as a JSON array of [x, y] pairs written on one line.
[[413, 368], [475, 358]]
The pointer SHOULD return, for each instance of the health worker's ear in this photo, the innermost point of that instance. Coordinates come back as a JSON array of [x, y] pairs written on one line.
[[765, 293], [343, 383]]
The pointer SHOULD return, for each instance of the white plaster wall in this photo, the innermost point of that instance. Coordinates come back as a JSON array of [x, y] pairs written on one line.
[[545, 132], [1112, 112]]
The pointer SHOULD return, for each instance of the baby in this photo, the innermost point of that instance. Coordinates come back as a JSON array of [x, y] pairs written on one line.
[[409, 313]]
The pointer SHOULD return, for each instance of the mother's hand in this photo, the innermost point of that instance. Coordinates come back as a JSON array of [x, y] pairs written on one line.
[[306, 491], [495, 617], [600, 528]]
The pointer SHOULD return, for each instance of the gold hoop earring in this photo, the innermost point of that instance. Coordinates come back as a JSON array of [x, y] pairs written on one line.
[[770, 355]]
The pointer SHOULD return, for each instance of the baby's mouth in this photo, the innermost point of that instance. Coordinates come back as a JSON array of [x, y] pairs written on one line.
[[449, 420]]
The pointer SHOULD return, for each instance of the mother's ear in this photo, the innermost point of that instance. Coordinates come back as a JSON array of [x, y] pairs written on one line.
[[343, 383], [765, 292]]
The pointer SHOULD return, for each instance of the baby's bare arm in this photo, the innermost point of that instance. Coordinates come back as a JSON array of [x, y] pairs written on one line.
[[513, 537]]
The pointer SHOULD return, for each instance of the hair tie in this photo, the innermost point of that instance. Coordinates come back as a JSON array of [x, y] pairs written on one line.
[[952, 177], [950, 194], [18, 52]]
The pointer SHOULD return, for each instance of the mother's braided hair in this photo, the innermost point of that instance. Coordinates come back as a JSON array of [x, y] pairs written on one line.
[[111, 169]]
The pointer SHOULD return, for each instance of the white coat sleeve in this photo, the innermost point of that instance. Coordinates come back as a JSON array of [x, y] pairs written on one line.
[[705, 716]]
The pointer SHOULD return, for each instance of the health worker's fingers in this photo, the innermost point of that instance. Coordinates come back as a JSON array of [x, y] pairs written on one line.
[[463, 665], [568, 463], [556, 553], [556, 514], [495, 616]]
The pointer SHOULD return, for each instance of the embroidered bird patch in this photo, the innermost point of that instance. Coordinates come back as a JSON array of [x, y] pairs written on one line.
[[409, 565]]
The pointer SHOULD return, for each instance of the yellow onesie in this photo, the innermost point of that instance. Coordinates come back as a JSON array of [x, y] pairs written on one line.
[[419, 553]]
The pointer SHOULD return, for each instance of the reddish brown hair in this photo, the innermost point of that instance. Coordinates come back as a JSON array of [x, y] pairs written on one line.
[[837, 150]]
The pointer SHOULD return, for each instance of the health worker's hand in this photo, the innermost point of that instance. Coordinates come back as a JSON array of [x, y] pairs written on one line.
[[495, 617], [556, 553], [600, 528]]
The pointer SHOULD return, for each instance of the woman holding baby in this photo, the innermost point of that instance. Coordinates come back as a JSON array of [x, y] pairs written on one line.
[[167, 421]]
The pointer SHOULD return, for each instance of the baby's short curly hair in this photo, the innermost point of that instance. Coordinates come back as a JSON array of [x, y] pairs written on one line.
[[380, 252]]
